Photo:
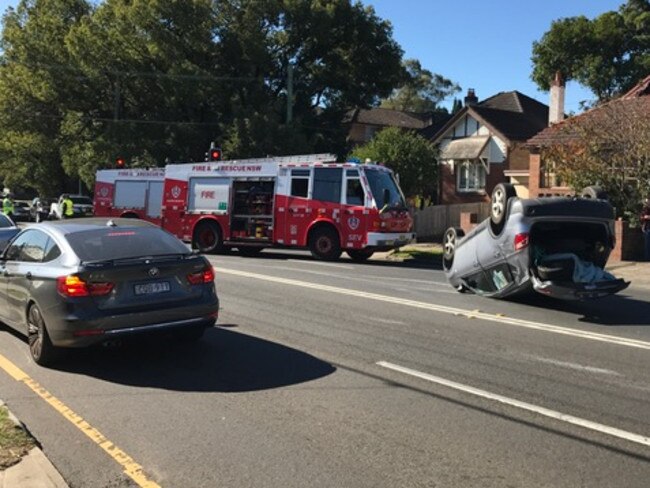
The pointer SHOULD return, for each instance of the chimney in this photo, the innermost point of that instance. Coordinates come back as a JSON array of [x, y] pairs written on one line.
[[471, 98], [556, 108]]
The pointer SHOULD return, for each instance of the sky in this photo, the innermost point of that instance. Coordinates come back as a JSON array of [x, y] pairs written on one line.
[[481, 44], [484, 44]]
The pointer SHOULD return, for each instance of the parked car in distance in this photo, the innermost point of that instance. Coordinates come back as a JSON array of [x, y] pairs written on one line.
[[80, 282], [21, 211], [82, 206], [7, 231], [557, 246]]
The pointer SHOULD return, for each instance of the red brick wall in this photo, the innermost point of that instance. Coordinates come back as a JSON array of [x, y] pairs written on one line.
[[629, 243], [534, 176]]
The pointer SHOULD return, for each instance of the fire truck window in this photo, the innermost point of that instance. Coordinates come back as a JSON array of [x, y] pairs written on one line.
[[299, 182], [354, 192], [327, 184]]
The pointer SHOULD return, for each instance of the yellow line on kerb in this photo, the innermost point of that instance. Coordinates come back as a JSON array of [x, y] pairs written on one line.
[[132, 469]]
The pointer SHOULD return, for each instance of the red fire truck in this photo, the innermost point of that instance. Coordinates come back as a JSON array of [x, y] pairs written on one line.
[[295, 201], [132, 193]]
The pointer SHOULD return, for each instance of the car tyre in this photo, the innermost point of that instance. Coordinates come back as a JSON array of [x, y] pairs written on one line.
[[324, 244], [501, 196], [360, 255], [594, 192], [449, 243], [208, 238], [40, 345]]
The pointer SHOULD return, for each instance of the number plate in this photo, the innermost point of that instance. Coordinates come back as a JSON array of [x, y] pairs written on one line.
[[151, 288]]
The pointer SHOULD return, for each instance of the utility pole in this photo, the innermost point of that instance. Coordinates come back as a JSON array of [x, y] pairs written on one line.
[[289, 93]]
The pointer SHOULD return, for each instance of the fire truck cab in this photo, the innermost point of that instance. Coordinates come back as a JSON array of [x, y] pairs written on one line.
[[295, 201], [131, 193]]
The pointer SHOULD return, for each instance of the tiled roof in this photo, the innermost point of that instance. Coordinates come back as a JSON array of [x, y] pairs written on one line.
[[391, 118], [637, 100], [513, 115]]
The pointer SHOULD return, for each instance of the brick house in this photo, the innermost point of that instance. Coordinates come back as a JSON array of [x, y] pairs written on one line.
[[485, 143], [365, 123], [543, 180]]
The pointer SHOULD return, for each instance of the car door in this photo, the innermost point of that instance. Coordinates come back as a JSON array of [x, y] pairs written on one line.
[[22, 269]]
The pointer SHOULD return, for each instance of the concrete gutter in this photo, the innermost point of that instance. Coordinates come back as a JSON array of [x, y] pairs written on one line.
[[33, 471]]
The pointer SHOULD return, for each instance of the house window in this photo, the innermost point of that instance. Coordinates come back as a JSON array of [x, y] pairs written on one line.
[[471, 176], [548, 177], [369, 132]]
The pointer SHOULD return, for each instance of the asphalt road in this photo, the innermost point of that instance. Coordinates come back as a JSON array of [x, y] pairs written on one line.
[[340, 374]]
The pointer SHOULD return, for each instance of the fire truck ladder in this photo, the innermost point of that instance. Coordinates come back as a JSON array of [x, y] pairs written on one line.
[[300, 158]]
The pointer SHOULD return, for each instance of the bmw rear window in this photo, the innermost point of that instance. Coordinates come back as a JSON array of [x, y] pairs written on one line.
[[115, 243]]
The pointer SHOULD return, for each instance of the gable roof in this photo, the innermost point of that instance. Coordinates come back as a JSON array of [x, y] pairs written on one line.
[[512, 115], [637, 99]]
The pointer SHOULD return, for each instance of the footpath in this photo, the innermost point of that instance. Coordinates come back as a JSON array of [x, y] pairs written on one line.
[[36, 471]]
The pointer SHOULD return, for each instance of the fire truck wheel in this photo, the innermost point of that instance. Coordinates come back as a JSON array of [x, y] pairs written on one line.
[[324, 244], [360, 255], [207, 238]]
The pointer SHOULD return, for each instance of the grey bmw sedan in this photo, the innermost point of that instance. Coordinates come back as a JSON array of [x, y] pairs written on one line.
[[75, 283]]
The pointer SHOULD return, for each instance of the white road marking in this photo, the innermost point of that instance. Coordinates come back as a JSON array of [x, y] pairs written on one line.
[[576, 366], [384, 321], [474, 314], [546, 412]]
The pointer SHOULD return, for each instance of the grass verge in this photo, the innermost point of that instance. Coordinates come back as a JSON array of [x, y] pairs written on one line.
[[14, 441], [431, 254]]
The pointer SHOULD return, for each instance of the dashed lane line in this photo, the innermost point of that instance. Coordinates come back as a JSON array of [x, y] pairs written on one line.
[[132, 469], [472, 314]]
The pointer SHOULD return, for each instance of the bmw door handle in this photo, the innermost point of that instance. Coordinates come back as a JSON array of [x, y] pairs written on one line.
[[28, 275]]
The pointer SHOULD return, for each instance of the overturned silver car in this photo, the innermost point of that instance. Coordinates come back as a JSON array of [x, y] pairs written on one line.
[[557, 246]]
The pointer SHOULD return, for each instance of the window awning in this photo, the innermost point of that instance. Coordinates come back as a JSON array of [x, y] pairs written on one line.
[[466, 148]]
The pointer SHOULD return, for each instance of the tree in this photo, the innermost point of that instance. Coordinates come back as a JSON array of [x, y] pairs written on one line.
[[421, 90], [407, 153], [84, 82], [608, 147], [608, 54]]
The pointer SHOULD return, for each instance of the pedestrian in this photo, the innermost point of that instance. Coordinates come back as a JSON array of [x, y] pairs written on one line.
[[8, 205], [67, 210], [645, 228]]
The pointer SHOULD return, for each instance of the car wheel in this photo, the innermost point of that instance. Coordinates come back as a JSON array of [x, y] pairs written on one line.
[[360, 255], [250, 251], [449, 243], [40, 345], [324, 244], [501, 195], [207, 238], [594, 192]]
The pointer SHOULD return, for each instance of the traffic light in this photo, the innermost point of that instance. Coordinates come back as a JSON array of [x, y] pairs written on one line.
[[120, 163], [214, 154]]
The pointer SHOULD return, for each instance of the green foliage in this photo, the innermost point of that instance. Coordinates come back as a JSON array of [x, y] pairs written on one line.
[[410, 155], [608, 54], [83, 82], [421, 90], [607, 147]]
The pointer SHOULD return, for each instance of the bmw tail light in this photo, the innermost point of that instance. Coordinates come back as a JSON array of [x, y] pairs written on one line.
[[522, 240], [73, 286], [202, 277]]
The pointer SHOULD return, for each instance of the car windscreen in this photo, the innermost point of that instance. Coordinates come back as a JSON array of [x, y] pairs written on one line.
[[380, 181], [115, 243], [81, 200], [5, 222]]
